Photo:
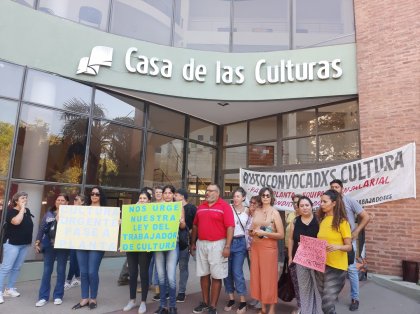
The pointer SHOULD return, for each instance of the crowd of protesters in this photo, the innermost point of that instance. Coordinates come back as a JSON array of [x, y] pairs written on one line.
[[222, 237]]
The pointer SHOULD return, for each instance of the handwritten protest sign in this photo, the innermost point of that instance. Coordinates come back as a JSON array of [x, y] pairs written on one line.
[[150, 227], [87, 228], [311, 253]]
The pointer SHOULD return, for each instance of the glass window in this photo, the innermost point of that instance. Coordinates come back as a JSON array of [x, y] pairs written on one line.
[[8, 111], [165, 120], [235, 134], [201, 166], [261, 25], [299, 123], [203, 25], [164, 160], [50, 146], [55, 91], [299, 151], [118, 108], [203, 131], [234, 157], [114, 155], [143, 19], [10, 80], [231, 182], [27, 3], [324, 23], [338, 117], [339, 146], [263, 129], [92, 13], [40, 199], [262, 155]]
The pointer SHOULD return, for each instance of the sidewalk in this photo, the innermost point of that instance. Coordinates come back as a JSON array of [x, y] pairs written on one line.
[[112, 298]]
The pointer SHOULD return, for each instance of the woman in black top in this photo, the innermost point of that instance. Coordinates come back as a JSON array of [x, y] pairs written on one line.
[[17, 239], [306, 224]]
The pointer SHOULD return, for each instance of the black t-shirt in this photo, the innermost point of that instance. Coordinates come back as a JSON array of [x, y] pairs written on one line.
[[310, 230], [190, 210], [19, 234]]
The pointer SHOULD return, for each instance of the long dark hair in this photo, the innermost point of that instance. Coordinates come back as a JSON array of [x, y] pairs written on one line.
[[269, 191], [339, 210], [102, 197], [54, 208]]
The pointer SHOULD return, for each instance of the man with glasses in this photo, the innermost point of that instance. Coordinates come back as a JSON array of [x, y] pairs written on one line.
[[213, 227]]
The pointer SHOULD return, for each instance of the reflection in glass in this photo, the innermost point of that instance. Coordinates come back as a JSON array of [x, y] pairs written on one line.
[[165, 120], [339, 146], [40, 199], [203, 131], [235, 134], [201, 165], [118, 108], [114, 155], [142, 19], [50, 146], [10, 79], [262, 155], [231, 182], [324, 23], [260, 25], [234, 157], [263, 129], [338, 117], [8, 111], [57, 92], [299, 123], [164, 161], [92, 13], [202, 25], [299, 151]]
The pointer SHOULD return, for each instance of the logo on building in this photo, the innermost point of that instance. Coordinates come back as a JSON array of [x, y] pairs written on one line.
[[100, 55]]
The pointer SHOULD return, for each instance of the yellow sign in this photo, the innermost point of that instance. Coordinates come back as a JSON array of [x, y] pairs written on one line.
[[150, 227], [87, 228]]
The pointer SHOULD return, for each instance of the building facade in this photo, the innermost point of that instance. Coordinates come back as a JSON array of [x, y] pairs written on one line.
[[126, 94]]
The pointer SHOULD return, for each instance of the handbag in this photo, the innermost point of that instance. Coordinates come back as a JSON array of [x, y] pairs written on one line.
[[184, 238], [351, 256], [286, 291]]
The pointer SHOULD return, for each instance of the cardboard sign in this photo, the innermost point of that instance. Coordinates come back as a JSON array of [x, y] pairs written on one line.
[[150, 227], [311, 253], [87, 228]]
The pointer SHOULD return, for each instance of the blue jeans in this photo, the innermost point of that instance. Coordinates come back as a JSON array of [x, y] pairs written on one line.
[[89, 262], [13, 258], [166, 262], [50, 255], [235, 279], [184, 258], [354, 278], [74, 266], [153, 276]]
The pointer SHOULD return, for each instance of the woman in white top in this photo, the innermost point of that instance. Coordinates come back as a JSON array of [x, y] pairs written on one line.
[[238, 251]]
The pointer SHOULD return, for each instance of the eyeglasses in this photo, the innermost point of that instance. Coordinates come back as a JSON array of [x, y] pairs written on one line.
[[266, 196], [95, 194]]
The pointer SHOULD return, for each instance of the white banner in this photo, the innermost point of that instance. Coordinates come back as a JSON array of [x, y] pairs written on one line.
[[387, 177]]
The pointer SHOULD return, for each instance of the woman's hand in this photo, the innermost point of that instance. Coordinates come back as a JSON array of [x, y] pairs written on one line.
[[334, 247], [37, 246]]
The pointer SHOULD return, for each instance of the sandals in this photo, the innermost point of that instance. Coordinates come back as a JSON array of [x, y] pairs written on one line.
[[79, 306], [92, 305]]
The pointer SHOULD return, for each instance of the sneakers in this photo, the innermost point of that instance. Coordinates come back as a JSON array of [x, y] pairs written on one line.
[[229, 305], [1, 298], [11, 292], [129, 306], [58, 301], [212, 310], [161, 310], [180, 298], [173, 310], [354, 306], [67, 285], [257, 305], [75, 282], [41, 302], [201, 307], [142, 308], [156, 297]]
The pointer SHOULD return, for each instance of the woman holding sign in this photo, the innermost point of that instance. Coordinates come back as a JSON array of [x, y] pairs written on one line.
[[335, 229], [305, 224], [136, 260], [89, 260]]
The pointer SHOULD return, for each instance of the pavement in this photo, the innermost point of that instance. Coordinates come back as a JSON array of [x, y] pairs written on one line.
[[374, 298]]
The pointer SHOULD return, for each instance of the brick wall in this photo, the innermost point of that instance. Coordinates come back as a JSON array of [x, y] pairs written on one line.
[[388, 65]]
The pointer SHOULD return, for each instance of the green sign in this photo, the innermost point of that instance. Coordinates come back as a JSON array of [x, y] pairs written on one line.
[[150, 227]]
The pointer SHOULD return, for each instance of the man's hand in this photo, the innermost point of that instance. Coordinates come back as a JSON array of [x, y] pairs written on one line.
[[226, 251], [193, 248]]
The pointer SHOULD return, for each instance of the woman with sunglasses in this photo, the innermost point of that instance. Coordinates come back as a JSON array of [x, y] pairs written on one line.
[[266, 230], [90, 260]]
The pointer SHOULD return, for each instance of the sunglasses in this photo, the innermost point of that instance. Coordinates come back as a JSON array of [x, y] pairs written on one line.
[[95, 194], [266, 196]]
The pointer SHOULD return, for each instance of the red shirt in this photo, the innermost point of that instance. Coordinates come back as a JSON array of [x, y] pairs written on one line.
[[213, 221]]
